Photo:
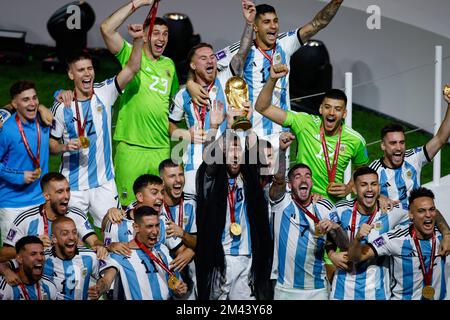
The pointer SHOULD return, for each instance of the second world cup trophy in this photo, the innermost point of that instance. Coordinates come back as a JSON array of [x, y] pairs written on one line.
[[236, 90]]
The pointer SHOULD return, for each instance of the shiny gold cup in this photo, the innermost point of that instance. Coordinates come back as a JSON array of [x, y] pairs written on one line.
[[236, 90]]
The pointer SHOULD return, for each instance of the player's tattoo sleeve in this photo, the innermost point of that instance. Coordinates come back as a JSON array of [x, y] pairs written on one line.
[[441, 223], [237, 63], [320, 21]]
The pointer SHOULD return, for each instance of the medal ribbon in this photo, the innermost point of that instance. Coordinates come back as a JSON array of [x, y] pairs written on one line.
[[232, 200], [331, 171], [180, 212], [44, 217], [81, 128], [153, 257], [306, 211], [151, 17], [264, 53], [201, 115], [24, 290], [427, 275], [353, 224], [36, 160]]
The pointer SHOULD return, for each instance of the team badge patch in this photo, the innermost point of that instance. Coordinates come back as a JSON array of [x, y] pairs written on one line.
[[101, 263], [290, 33], [88, 225], [11, 235], [168, 73], [379, 242], [409, 174], [220, 55], [107, 242], [342, 148]]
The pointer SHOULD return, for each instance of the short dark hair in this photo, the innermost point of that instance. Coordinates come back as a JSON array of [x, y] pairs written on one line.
[[337, 95], [144, 180], [418, 193], [20, 245], [391, 127], [77, 56], [362, 171], [20, 86], [263, 9], [144, 211], [297, 166], [194, 49], [168, 163], [158, 21], [49, 177]]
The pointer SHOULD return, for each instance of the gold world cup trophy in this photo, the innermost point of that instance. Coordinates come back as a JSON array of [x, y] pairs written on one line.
[[236, 90]]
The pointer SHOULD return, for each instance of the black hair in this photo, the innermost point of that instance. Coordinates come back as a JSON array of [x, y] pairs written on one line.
[[337, 95], [144, 180], [263, 9], [20, 245], [168, 163], [20, 86], [362, 171], [142, 212], [420, 192], [295, 167], [51, 176], [391, 127]]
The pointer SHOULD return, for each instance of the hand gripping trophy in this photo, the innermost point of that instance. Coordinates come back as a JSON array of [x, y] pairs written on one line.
[[236, 90]]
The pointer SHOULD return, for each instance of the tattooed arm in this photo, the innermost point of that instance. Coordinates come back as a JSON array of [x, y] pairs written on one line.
[[320, 21]]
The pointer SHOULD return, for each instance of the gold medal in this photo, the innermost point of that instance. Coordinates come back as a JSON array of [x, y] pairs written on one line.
[[99, 108], [318, 231], [173, 282], [84, 142], [38, 172], [235, 229], [428, 292]]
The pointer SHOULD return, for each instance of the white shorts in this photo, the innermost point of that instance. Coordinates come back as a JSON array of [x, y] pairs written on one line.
[[7, 217], [236, 286], [283, 293], [96, 201]]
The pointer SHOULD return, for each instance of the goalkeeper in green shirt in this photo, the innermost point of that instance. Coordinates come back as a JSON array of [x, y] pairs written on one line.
[[142, 129], [325, 143]]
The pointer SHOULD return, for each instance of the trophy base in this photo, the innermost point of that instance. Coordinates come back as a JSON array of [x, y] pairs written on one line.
[[241, 123]]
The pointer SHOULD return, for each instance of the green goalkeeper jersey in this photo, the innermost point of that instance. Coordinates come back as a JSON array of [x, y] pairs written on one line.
[[306, 128], [143, 118]]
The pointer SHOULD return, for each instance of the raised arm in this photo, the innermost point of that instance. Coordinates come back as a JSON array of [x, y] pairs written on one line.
[[134, 63], [264, 102], [278, 187], [435, 144], [320, 21], [356, 252], [113, 39], [249, 12]]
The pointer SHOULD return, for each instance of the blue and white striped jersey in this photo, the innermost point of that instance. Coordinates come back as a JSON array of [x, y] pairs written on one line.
[[398, 183], [189, 206], [298, 251], [90, 167], [31, 223], [368, 280], [124, 232], [183, 105], [407, 278], [242, 244], [257, 71], [47, 290], [72, 276], [140, 277]]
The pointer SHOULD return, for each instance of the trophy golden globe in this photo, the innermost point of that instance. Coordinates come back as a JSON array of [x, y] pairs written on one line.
[[236, 90]]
